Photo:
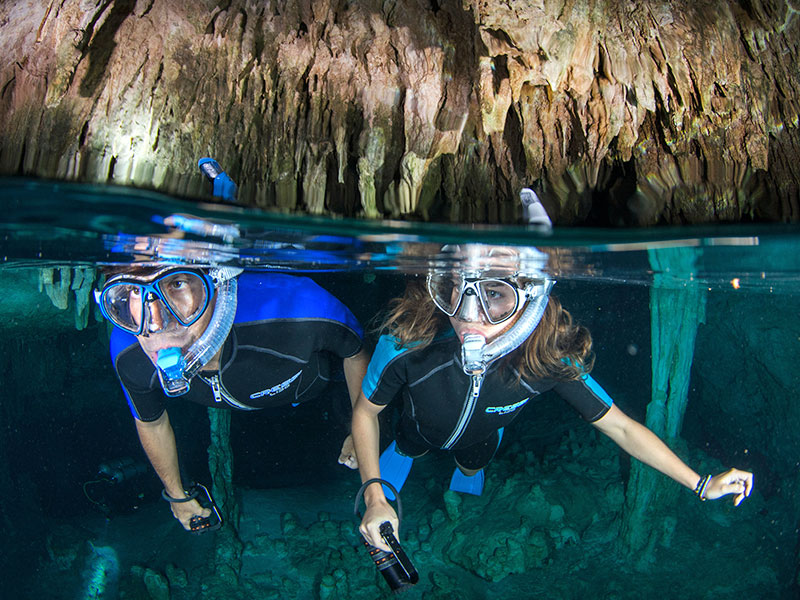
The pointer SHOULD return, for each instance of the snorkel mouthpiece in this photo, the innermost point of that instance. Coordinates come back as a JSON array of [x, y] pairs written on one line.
[[472, 353], [170, 372]]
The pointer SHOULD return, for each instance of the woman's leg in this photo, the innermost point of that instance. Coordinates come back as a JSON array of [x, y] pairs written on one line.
[[468, 476], [397, 459]]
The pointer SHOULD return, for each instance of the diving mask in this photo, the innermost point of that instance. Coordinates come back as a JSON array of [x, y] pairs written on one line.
[[455, 293], [185, 293], [129, 301]]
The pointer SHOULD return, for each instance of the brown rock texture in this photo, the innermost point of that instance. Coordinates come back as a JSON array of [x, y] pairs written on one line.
[[619, 112]]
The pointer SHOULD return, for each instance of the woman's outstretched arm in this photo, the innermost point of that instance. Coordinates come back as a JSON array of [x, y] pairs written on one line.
[[641, 443]]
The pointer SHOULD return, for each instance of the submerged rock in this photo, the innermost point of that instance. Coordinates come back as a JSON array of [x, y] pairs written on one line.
[[64, 545]]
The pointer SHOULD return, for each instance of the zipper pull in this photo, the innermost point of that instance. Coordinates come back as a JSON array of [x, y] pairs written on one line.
[[477, 381], [215, 388]]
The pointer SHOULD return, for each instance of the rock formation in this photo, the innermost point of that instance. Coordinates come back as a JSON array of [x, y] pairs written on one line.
[[633, 112], [677, 308], [227, 545]]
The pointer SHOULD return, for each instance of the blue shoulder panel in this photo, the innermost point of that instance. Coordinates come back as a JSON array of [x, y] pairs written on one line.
[[387, 349], [264, 296], [598, 391], [119, 341], [594, 387]]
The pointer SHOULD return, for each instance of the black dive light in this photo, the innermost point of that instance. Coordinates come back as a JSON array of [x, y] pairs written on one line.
[[213, 521], [395, 566]]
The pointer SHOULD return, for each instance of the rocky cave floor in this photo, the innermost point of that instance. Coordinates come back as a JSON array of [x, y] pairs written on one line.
[[547, 526]]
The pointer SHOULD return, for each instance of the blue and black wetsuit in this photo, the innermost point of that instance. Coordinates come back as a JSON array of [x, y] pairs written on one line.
[[288, 336], [447, 409]]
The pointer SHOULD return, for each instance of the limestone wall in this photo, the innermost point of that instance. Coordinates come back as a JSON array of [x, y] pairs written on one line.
[[622, 112]]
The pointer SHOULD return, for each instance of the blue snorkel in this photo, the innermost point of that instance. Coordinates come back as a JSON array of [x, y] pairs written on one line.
[[224, 186]]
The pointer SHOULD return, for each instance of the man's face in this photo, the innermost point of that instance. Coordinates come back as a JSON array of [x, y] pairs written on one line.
[[163, 330], [164, 308]]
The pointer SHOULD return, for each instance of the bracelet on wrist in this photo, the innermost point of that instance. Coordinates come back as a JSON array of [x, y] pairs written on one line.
[[700, 488]]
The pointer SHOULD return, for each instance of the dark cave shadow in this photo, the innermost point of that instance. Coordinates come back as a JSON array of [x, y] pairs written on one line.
[[103, 45]]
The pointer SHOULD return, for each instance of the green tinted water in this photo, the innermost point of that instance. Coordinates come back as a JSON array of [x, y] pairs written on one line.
[[548, 524]]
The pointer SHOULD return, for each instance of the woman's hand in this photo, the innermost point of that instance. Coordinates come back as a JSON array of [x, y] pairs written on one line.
[[378, 512], [347, 456], [732, 481]]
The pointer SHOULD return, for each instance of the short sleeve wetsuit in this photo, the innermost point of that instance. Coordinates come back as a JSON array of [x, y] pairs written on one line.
[[447, 409], [287, 336]]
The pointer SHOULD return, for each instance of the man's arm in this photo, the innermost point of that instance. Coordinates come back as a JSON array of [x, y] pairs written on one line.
[[158, 441], [641, 443], [355, 367]]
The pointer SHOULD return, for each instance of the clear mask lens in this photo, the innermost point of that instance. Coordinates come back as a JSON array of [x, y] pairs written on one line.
[[182, 295], [498, 298], [185, 293]]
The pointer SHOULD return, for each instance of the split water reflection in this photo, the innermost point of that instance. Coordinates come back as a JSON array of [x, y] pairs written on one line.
[[696, 333]]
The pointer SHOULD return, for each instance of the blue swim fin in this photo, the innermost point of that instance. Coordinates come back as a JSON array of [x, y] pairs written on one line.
[[467, 485], [394, 468]]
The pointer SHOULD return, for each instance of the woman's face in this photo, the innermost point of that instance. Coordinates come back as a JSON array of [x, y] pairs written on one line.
[[482, 326]]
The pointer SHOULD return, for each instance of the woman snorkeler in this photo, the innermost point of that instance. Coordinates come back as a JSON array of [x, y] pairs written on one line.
[[467, 351]]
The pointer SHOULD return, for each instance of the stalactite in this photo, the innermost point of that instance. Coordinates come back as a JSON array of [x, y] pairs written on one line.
[[522, 92], [314, 181], [228, 547], [677, 308], [64, 283], [372, 160], [82, 285], [56, 283]]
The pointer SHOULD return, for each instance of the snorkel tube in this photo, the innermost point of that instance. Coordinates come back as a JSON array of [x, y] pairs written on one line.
[[176, 369], [477, 355]]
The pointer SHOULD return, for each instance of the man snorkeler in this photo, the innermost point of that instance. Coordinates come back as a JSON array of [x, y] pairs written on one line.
[[225, 339]]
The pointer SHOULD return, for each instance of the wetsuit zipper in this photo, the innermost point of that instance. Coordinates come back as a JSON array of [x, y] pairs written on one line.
[[222, 395], [466, 412]]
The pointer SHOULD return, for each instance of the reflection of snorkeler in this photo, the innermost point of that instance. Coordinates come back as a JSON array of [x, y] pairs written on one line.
[[467, 369], [223, 339]]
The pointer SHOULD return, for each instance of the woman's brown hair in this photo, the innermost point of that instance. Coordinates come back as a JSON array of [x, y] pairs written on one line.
[[557, 349]]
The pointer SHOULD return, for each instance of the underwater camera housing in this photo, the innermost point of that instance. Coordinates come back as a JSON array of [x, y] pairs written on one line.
[[395, 566], [199, 524], [204, 524]]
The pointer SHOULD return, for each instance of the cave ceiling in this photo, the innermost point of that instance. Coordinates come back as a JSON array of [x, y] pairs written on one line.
[[637, 112]]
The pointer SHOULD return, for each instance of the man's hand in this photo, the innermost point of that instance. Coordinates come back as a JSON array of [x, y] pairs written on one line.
[[184, 511]]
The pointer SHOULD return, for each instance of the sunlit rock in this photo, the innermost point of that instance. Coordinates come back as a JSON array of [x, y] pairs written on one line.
[[305, 103]]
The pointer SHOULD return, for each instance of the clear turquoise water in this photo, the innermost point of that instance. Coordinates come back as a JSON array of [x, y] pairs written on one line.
[[63, 414]]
